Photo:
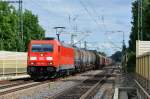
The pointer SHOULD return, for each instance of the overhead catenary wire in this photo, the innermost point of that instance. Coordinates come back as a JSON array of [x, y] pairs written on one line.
[[106, 32], [74, 19], [89, 13], [102, 17], [103, 23]]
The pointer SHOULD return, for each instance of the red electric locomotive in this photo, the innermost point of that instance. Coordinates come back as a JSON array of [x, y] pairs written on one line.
[[46, 57], [50, 57]]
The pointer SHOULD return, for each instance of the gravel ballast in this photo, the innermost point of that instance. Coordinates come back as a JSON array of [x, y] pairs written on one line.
[[50, 89]]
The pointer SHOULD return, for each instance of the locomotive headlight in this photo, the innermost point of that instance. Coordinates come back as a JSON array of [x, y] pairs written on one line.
[[32, 63], [49, 58], [50, 63], [33, 58]]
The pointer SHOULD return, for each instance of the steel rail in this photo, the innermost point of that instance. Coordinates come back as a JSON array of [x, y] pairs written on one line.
[[140, 86], [93, 89], [80, 89]]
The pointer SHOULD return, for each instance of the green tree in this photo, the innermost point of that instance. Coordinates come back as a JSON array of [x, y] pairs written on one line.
[[134, 31], [10, 38], [146, 21], [8, 26], [102, 53], [32, 29], [117, 56], [133, 37]]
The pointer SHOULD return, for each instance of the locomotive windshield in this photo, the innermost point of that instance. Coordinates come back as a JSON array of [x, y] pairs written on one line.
[[42, 48]]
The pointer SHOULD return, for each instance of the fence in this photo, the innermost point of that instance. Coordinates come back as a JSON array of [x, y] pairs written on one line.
[[12, 63], [143, 75], [142, 47]]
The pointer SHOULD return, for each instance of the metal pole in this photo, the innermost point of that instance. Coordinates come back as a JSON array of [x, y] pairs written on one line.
[[138, 19], [21, 22], [2, 42], [80, 44], [72, 39], [16, 65], [3, 67], [75, 29], [85, 44], [141, 14], [123, 38], [58, 37]]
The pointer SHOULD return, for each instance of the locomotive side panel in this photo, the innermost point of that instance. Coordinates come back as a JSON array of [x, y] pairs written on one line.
[[66, 57]]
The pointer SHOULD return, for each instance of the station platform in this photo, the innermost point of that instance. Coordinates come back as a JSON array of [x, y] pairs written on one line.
[[13, 77]]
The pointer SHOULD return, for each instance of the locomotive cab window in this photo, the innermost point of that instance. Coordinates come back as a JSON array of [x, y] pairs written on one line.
[[42, 48]]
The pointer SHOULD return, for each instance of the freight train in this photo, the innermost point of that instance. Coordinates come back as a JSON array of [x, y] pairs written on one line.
[[50, 57]]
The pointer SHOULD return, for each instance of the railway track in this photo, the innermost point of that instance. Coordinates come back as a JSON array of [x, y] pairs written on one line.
[[20, 84], [12, 84], [18, 87], [93, 90], [86, 89], [82, 90]]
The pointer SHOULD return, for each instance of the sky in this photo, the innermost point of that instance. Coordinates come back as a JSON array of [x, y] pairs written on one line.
[[99, 22]]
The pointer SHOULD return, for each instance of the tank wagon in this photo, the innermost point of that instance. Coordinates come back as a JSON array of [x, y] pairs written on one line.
[[49, 57]]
